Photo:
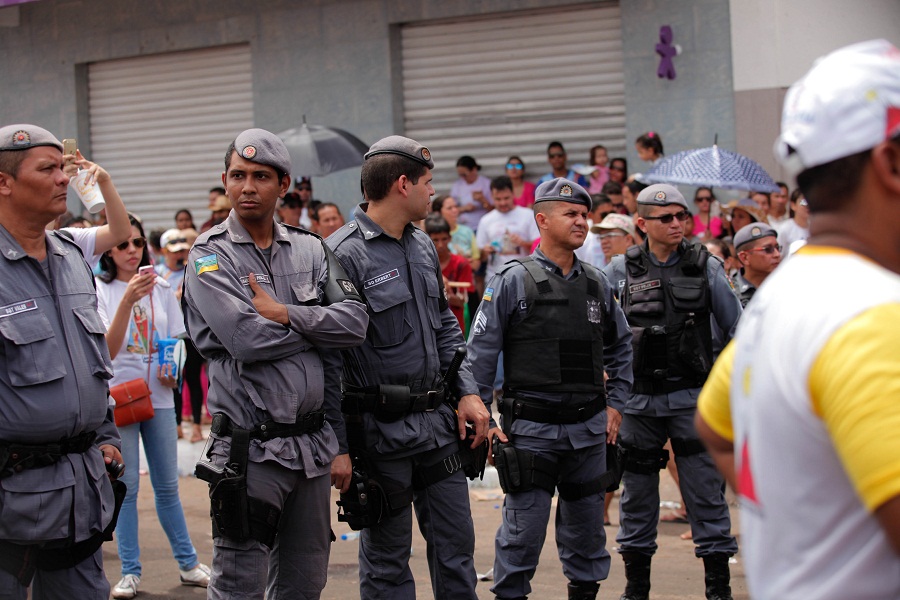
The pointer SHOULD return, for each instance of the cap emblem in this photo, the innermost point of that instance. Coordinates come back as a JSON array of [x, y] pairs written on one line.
[[426, 154], [660, 195], [248, 152], [21, 138], [756, 231], [565, 191]]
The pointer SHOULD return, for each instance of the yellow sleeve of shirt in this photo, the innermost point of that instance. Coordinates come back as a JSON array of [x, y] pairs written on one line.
[[714, 402], [855, 388]]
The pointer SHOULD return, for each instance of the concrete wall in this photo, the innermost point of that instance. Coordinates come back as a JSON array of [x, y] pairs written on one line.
[[689, 111], [337, 61], [774, 42]]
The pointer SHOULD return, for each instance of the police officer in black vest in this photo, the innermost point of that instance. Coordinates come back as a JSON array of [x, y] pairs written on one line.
[[557, 322], [675, 297]]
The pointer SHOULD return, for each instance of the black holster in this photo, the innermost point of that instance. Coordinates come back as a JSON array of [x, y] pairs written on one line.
[[643, 461], [234, 513]]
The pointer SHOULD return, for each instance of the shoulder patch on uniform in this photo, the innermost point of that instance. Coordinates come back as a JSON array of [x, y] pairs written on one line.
[[488, 295], [642, 287], [348, 287], [207, 263], [379, 279], [479, 327]]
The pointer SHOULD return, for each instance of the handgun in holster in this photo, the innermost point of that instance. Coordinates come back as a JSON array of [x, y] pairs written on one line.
[[229, 503]]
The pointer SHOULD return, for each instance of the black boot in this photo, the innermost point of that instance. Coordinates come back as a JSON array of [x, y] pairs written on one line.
[[637, 572], [718, 577], [583, 590]]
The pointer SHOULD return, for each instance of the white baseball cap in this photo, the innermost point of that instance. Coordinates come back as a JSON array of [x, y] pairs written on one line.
[[847, 103]]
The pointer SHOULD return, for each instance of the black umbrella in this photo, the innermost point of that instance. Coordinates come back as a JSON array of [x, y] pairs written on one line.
[[317, 150]]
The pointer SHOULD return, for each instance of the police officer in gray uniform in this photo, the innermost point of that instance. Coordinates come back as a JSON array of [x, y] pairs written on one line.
[[261, 301], [559, 326], [757, 247], [672, 295], [394, 397], [57, 434]]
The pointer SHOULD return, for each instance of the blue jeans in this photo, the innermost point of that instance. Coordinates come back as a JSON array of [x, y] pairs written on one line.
[[161, 448]]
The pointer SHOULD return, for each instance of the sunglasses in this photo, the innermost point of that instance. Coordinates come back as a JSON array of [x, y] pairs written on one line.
[[666, 219], [770, 249], [703, 199], [138, 242], [556, 155], [518, 167]]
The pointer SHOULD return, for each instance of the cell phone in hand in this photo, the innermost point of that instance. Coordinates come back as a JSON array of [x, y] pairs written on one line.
[[147, 270], [69, 147]]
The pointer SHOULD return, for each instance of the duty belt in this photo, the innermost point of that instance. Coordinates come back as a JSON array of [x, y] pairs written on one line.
[[385, 397], [654, 387], [307, 423], [16, 457], [554, 414]]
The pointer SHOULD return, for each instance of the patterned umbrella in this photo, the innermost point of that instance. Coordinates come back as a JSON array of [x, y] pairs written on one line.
[[712, 167], [316, 150]]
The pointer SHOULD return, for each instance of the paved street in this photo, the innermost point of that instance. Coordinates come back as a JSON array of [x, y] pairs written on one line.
[[677, 575]]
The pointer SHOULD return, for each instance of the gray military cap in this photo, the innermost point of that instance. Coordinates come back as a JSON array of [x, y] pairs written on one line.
[[24, 136], [263, 147], [661, 194], [562, 190], [403, 146], [751, 233]]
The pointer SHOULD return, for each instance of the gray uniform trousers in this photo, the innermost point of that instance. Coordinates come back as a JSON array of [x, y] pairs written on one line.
[[84, 581], [445, 520], [296, 566], [580, 536], [702, 488]]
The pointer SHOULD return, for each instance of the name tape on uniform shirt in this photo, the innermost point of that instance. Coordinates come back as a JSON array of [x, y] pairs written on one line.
[[19, 307], [379, 279]]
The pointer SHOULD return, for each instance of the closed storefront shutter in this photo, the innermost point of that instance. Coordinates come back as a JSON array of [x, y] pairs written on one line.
[[160, 125], [509, 84]]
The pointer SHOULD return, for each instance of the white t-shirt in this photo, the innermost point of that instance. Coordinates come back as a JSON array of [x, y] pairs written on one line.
[[789, 232], [493, 230], [131, 360], [86, 238], [462, 193]]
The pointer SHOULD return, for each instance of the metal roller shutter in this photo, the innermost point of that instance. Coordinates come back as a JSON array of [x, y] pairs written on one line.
[[510, 84], [161, 124]]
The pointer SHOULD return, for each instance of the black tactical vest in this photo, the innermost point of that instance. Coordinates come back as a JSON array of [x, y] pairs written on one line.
[[668, 309], [558, 347]]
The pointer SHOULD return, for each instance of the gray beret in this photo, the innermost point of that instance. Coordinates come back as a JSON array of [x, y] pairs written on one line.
[[562, 190], [661, 194], [397, 144], [752, 232], [263, 147], [23, 137]]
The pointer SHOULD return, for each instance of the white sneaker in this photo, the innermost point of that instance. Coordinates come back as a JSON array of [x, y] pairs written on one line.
[[198, 576], [127, 587]]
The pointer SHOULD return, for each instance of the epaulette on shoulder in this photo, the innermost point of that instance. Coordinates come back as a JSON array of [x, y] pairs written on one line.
[[342, 234], [214, 231]]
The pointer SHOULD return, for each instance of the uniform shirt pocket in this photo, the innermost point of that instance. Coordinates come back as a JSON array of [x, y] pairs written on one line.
[[434, 292], [37, 503], [32, 351], [96, 350], [388, 322]]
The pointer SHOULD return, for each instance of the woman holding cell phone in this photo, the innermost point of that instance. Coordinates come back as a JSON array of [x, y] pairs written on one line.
[[138, 313]]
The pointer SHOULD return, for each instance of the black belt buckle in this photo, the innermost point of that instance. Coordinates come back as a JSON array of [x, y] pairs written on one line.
[[432, 398], [581, 413]]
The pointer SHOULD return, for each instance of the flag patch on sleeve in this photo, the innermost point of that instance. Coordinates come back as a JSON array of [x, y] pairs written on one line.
[[205, 264]]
